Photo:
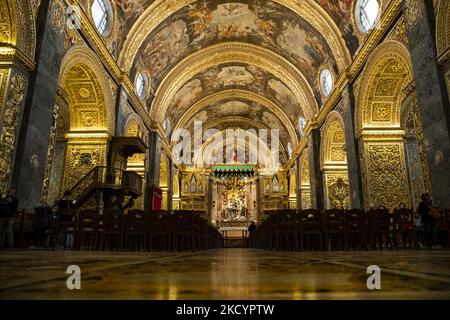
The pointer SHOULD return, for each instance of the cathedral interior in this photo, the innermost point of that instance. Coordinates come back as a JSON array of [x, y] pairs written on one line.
[[201, 149]]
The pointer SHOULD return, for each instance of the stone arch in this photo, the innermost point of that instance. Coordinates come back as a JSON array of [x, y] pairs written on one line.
[[416, 159], [18, 28], [83, 77], [232, 52], [378, 126], [384, 79], [158, 12], [134, 127], [91, 114], [334, 163], [443, 27]]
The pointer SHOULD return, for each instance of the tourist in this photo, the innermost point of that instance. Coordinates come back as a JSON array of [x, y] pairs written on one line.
[[251, 227], [429, 221], [8, 208], [404, 223], [42, 219]]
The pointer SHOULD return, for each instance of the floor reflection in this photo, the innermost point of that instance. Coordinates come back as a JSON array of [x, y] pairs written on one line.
[[225, 274]]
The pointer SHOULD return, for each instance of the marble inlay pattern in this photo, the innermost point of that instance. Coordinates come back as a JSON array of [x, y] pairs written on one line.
[[225, 274]]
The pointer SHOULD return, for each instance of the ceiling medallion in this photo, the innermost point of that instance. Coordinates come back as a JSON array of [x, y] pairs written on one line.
[[84, 93]]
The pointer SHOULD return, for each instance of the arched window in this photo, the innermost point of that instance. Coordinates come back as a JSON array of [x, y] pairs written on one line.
[[101, 13], [166, 125], [290, 150], [301, 126], [141, 85], [326, 82], [367, 12]]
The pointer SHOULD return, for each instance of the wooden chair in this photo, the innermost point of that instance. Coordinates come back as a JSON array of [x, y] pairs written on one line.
[[355, 231], [87, 232], [111, 230], [404, 228], [334, 229], [134, 231], [310, 230]]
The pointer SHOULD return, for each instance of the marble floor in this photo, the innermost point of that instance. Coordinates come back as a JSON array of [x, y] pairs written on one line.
[[225, 274]]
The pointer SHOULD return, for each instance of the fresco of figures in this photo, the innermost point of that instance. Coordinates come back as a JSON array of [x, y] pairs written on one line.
[[235, 76], [204, 23]]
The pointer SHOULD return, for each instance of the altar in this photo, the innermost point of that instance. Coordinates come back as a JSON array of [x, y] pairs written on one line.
[[234, 198]]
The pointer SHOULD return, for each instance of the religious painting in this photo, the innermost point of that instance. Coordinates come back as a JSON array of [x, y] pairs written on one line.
[[205, 23], [285, 96], [185, 97], [235, 76], [341, 12]]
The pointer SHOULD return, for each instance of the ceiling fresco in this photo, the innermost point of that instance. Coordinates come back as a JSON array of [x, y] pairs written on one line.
[[202, 24], [235, 76]]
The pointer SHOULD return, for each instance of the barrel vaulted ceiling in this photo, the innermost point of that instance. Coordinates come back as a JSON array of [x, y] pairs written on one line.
[[243, 59]]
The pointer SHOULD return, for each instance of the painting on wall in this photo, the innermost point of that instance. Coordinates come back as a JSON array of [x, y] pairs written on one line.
[[341, 12]]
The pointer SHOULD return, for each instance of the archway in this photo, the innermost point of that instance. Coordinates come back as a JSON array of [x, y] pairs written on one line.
[[381, 139], [90, 115], [135, 128], [305, 182], [334, 163], [415, 152], [164, 178]]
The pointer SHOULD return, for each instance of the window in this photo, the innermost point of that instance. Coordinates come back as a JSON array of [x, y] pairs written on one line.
[[366, 14], [301, 126], [141, 84], [166, 125], [326, 82], [101, 13]]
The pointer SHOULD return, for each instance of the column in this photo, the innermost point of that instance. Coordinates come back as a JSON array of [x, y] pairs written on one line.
[[32, 149], [298, 183], [153, 162], [351, 144], [317, 200], [432, 95]]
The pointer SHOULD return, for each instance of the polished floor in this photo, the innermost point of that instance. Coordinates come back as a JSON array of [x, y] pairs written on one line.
[[225, 274]]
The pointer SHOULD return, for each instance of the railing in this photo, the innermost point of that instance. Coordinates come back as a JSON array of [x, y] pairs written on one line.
[[102, 176], [131, 180]]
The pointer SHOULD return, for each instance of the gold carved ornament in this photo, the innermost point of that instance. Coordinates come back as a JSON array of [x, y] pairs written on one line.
[[11, 120]]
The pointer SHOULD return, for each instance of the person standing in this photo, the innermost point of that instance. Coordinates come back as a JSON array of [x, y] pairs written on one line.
[[43, 215], [8, 208], [429, 222]]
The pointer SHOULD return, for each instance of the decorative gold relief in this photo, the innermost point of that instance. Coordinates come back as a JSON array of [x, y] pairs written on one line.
[[89, 91], [399, 32], [3, 79], [413, 12], [17, 32], [386, 181], [338, 190], [58, 15], [388, 72], [334, 163], [11, 120], [82, 157], [443, 31]]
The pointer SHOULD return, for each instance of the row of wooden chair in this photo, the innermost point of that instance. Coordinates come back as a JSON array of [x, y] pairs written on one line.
[[354, 229], [140, 231]]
